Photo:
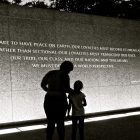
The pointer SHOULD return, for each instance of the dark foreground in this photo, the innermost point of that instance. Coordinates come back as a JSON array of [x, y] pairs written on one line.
[[127, 128]]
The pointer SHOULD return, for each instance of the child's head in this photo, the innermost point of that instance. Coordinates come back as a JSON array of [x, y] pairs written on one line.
[[78, 85]]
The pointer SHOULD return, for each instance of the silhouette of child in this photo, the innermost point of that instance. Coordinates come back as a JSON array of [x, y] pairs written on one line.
[[77, 101]]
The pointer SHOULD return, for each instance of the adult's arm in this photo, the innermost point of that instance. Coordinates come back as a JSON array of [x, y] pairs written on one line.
[[84, 102], [67, 85], [69, 107], [44, 82]]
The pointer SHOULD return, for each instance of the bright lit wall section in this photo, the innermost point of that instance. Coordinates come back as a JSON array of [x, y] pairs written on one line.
[[105, 53]]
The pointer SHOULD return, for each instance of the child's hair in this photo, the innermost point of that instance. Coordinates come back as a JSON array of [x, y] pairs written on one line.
[[78, 85]]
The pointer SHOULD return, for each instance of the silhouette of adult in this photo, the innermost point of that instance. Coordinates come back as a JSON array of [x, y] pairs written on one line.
[[57, 83]]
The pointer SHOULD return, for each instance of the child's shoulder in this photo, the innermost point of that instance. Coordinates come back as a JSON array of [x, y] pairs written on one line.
[[82, 94], [70, 95], [75, 93]]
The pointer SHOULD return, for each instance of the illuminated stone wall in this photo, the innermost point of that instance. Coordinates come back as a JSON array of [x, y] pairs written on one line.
[[105, 52]]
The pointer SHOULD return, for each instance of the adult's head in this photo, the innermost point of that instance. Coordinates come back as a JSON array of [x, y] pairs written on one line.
[[66, 66]]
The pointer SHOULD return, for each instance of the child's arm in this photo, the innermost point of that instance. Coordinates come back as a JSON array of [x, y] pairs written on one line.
[[69, 107], [84, 102]]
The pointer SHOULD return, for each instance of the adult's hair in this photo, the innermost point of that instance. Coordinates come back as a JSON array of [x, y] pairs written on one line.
[[66, 66]]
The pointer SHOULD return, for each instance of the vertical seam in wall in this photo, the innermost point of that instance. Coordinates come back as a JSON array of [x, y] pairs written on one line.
[[10, 67]]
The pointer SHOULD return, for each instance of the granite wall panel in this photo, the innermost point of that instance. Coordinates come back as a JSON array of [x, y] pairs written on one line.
[[28, 36]]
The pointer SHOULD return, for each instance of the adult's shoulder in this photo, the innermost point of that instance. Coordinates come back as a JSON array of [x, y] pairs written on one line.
[[52, 72], [49, 73], [64, 74]]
